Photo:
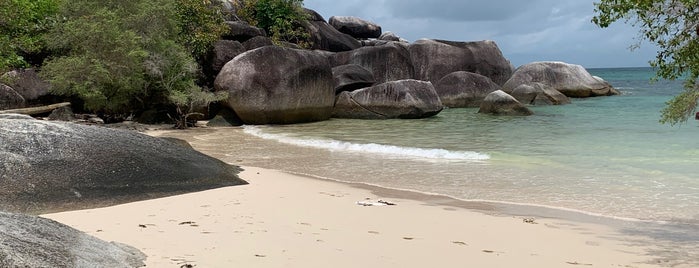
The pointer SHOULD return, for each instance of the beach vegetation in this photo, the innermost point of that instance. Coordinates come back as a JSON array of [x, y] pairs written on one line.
[[672, 25], [119, 57], [22, 24], [283, 20]]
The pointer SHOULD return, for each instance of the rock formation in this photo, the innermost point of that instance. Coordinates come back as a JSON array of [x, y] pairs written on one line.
[[48, 166], [275, 85], [539, 94], [434, 59], [570, 79], [464, 89], [390, 62], [241, 31], [325, 37], [355, 27], [351, 77], [501, 103], [30, 241], [405, 99]]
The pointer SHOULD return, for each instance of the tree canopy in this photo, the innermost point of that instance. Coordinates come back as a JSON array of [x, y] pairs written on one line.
[[283, 20], [673, 25], [22, 23]]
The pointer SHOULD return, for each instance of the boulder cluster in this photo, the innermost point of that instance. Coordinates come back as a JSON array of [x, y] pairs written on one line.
[[354, 70]]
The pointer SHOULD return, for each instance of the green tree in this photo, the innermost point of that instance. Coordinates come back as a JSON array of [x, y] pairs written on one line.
[[672, 25], [22, 23], [283, 20]]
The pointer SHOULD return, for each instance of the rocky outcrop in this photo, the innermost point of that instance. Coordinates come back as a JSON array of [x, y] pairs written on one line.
[[351, 77], [539, 94], [390, 62], [389, 36], [571, 80], [434, 59], [223, 52], [501, 103], [464, 89], [49, 165], [30, 241], [325, 37], [405, 99], [275, 85], [10, 99], [241, 31], [29, 85], [257, 42], [355, 27]]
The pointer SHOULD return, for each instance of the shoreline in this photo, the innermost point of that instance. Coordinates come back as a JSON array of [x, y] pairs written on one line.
[[488, 234]]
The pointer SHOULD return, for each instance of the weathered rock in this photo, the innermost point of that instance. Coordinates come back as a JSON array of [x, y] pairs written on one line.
[[389, 36], [10, 99], [539, 94], [49, 166], [241, 31], [225, 118], [15, 116], [373, 42], [351, 77], [325, 37], [355, 27], [62, 114], [223, 52], [275, 85], [464, 89], [257, 42], [501, 103], [405, 99], [571, 80], [390, 62], [28, 84], [30, 241], [434, 59]]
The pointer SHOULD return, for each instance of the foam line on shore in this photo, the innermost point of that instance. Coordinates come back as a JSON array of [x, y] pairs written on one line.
[[372, 148]]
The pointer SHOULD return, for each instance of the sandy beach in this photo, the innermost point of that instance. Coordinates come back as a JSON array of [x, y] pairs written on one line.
[[285, 220]]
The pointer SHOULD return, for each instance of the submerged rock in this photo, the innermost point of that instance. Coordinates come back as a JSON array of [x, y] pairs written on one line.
[[275, 85], [406, 99], [570, 79], [50, 166], [30, 241], [501, 103], [539, 94]]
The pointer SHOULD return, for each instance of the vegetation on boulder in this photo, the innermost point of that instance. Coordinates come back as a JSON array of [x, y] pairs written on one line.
[[283, 20]]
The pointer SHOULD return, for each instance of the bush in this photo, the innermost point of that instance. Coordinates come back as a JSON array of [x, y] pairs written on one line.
[[22, 24], [283, 20]]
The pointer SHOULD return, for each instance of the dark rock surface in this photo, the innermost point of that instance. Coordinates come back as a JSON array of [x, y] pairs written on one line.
[[275, 85], [501, 103], [30, 241], [223, 52], [406, 99], [464, 89], [434, 59], [355, 27], [325, 37], [539, 94], [390, 62], [257, 42], [10, 99], [28, 84], [54, 166], [62, 114], [241, 31], [225, 118], [570, 79], [351, 77], [389, 36]]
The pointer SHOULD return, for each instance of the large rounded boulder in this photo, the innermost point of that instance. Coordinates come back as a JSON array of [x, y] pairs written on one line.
[[570, 79], [241, 31], [9, 98], [355, 27], [388, 62], [352, 77], [224, 51], [539, 94], [501, 103], [30, 241], [275, 85], [464, 89], [405, 99], [434, 59], [325, 37], [51, 166]]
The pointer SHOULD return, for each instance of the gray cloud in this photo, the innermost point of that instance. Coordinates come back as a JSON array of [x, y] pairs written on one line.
[[526, 31]]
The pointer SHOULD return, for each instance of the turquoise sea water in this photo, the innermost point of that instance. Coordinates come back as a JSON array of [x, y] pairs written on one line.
[[604, 156]]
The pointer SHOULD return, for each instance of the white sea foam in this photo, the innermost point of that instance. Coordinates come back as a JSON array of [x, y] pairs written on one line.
[[371, 148]]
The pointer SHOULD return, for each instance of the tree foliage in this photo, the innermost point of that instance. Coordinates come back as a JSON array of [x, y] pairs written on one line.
[[119, 56], [673, 25], [283, 20], [22, 23]]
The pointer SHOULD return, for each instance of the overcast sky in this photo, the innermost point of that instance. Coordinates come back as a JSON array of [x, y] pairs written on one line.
[[525, 30]]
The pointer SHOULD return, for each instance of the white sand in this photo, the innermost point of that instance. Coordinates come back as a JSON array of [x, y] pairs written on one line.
[[283, 220]]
